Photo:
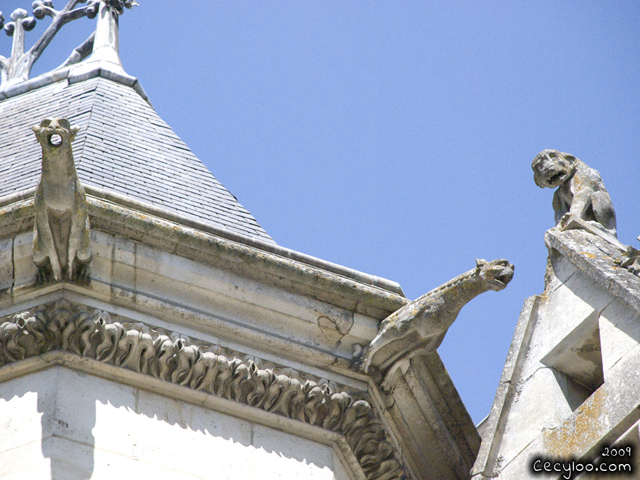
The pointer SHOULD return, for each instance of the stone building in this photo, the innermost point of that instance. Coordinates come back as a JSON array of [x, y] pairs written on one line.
[[149, 327], [569, 391]]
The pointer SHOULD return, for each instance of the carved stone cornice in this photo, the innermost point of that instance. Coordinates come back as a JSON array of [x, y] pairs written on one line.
[[282, 268], [168, 356]]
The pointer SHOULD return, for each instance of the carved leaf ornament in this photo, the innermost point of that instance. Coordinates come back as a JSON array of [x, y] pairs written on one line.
[[90, 333]]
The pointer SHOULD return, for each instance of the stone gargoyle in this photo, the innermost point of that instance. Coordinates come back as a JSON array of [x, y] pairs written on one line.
[[61, 244], [581, 201], [420, 326]]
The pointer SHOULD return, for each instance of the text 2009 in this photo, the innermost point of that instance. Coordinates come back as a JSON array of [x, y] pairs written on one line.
[[616, 452]]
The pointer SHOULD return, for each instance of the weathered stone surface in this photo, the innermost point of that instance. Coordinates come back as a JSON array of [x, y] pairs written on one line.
[[421, 325], [596, 258], [570, 385], [581, 194], [62, 326], [286, 273], [630, 260], [6, 265], [61, 244]]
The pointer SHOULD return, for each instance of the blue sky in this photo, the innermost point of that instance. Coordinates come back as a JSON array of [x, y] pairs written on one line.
[[396, 138]]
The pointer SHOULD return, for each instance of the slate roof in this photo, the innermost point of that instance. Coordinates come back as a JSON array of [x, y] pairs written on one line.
[[123, 146]]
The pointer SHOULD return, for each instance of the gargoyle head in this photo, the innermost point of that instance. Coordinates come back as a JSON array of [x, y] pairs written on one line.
[[55, 133], [495, 274], [552, 168]]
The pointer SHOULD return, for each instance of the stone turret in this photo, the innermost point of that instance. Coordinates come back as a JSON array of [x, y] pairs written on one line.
[[198, 343]]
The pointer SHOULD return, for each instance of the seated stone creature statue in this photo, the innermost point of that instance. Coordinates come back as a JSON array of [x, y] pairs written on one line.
[[61, 244], [581, 197]]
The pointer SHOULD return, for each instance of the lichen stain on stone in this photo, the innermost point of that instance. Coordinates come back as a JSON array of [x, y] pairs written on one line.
[[580, 431], [587, 254]]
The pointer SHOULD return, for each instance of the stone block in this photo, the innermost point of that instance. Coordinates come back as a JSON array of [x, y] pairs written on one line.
[[539, 404], [25, 462], [188, 432], [6, 264], [589, 291], [88, 408], [109, 466], [70, 460], [288, 456], [562, 271], [558, 314], [619, 333], [101, 263], [24, 270], [518, 467], [27, 406], [364, 328], [124, 272]]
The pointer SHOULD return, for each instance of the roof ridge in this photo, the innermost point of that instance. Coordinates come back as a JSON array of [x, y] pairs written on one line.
[[77, 157]]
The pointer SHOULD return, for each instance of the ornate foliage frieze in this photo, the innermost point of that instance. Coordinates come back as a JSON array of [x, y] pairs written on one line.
[[91, 333]]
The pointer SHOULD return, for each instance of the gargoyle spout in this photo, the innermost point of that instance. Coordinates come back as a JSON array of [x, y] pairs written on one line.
[[420, 326], [61, 243]]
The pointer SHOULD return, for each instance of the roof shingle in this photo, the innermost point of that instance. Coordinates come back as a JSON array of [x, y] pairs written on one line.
[[123, 146]]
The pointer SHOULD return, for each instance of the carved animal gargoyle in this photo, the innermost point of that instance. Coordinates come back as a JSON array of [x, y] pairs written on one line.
[[419, 327], [581, 200], [61, 244]]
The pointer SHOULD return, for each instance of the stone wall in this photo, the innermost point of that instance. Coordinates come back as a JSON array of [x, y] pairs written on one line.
[[570, 386], [64, 424]]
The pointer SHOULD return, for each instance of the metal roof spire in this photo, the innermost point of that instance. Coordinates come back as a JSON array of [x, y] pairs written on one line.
[[103, 45], [106, 43], [16, 68]]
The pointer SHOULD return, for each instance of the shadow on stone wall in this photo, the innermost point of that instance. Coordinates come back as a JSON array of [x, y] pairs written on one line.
[[85, 423], [37, 411]]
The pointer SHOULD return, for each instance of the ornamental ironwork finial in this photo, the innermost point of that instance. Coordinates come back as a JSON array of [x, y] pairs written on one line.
[[17, 67]]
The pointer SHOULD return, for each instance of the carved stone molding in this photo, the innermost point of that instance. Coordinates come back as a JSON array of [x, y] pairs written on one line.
[[92, 333]]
